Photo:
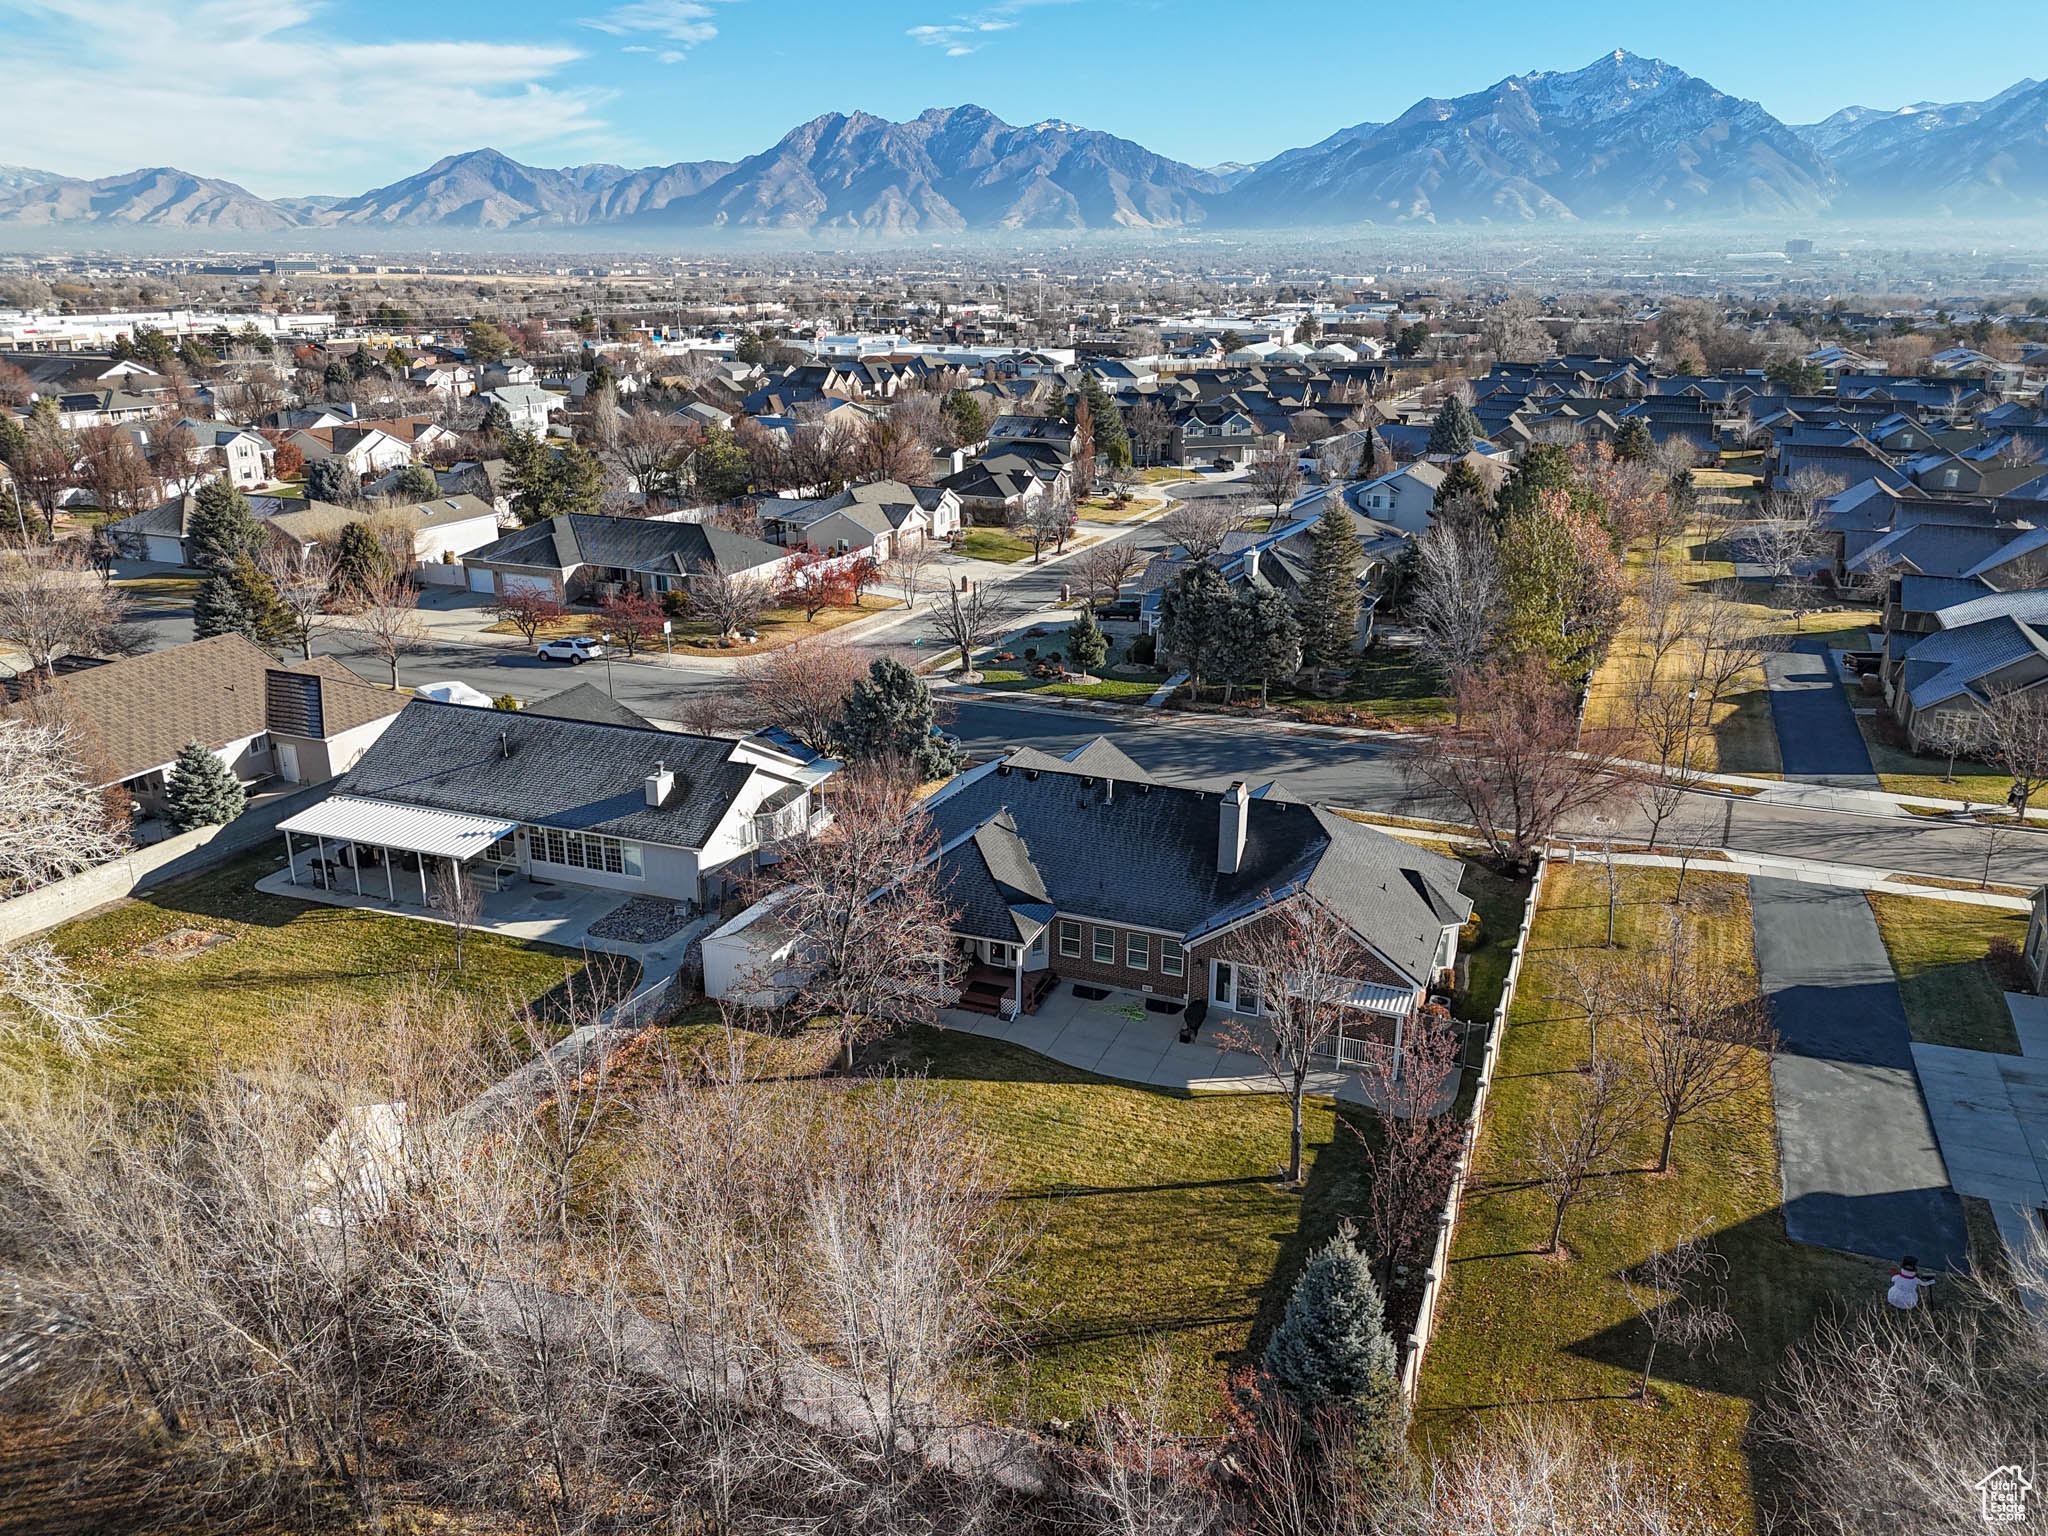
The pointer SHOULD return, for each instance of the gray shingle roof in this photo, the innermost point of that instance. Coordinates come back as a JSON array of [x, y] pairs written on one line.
[[1143, 853], [587, 701], [628, 543], [553, 772]]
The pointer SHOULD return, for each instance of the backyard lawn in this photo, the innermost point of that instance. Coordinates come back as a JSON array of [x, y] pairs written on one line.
[[1938, 951], [1524, 1331], [1114, 679], [211, 965], [1389, 688], [1158, 1219], [776, 627]]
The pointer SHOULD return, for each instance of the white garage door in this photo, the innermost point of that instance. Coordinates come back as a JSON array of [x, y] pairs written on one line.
[[508, 584], [480, 581]]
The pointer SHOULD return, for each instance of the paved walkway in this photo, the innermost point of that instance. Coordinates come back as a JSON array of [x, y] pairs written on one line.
[[1117, 1038], [1991, 1112], [1856, 1150], [1818, 739]]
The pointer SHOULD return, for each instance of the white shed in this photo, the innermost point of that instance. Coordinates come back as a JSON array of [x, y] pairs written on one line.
[[749, 960]]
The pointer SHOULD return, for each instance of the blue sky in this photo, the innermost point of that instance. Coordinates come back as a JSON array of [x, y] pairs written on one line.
[[300, 96]]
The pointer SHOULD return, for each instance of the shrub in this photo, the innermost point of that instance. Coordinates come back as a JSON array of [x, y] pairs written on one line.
[[1144, 650], [2008, 967]]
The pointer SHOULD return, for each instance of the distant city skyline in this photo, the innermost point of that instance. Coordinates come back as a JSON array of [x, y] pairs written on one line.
[[303, 98]]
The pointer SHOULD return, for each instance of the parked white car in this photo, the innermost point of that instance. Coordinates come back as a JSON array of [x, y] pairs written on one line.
[[574, 649]]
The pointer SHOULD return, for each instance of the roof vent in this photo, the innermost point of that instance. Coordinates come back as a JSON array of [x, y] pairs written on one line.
[[1002, 770], [659, 784], [1031, 774], [504, 743]]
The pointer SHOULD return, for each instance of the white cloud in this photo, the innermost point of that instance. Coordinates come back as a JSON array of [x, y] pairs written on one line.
[[681, 23], [280, 95], [970, 34]]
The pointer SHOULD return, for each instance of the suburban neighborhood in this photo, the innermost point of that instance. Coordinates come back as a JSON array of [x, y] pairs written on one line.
[[958, 829]]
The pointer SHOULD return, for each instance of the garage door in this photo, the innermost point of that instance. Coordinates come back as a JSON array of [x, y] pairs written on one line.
[[480, 581], [543, 586]]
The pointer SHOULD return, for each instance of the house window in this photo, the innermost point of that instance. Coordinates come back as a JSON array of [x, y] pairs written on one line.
[[1070, 940], [1171, 961], [585, 850], [1137, 952], [1105, 946], [1001, 954]]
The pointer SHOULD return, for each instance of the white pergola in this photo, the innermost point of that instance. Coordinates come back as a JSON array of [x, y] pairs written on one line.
[[431, 834]]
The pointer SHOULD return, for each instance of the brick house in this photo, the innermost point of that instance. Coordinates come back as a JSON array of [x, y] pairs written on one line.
[[1085, 869]]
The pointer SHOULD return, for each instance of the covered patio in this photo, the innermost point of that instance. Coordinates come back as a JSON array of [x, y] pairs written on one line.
[[374, 849]]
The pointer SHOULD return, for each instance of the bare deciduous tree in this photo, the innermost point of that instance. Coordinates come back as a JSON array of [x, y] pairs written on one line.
[[1514, 761], [1101, 570], [1455, 598], [52, 605], [2016, 730], [1704, 1033], [459, 900], [1680, 1295], [302, 575], [1305, 963], [1275, 479], [389, 621], [1199, 525], [973, 619], [43, 997], [53, 822], [909, 567], [802, 688], [867, 922], [1413, 1145], [1584, 1122], [729, 601]]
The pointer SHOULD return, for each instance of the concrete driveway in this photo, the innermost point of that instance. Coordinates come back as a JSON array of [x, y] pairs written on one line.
[[1856, 1151], [1817, 735], [1991, 1113]]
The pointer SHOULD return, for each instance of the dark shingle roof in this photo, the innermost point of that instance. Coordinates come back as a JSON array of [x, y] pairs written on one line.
[[554, 772], [587, 701], [1143, 853], [629, 543]]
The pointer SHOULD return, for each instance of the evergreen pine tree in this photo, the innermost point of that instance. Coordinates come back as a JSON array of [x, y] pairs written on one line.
[[1332, 1353], [1329, 598], [200, 791], [1453, 430], [1265, 637], [416, 483], [267, 621], [1112, 440], [1194, 617], [221, 527], [358, 562], [497, 420], [888, 718], [1634, 442], [1544, 467], [1087, 646], [578, 480], [219, 608], [1461, 483]]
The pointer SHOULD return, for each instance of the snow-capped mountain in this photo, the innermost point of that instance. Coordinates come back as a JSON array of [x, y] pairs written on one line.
[[1974, 157], [1625, 137]]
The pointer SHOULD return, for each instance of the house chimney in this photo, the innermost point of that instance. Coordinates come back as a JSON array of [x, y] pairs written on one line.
[[659, 783], [1235, 812]]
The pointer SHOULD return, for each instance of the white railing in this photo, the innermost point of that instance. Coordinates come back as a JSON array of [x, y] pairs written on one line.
[[1417, 1343]]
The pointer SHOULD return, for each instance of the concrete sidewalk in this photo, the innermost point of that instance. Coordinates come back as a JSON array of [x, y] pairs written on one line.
[[1990, 1112]]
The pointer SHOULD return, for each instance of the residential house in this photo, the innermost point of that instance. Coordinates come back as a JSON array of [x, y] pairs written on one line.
[[367, 450], [245, 456], [1007, 483], [876, 519], [553, 799], [1085, 870], [579, 557], [528, 405], [300, 724]]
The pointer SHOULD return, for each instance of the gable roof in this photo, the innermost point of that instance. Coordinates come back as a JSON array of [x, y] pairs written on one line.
[[139, 711], [1140, 852], [627, 543], [547, 771], [587, 701]]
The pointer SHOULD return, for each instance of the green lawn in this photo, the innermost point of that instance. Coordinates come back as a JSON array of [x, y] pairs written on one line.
[[1113, 679], [1497, 901], [1523, 1331], [279, 956], [1937, 949], [1905, 773], [1158, 1221], [994, 544], [1390, 687]]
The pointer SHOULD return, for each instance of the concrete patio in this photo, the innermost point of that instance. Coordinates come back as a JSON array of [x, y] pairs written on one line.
[[524, 909], [1117, 1038], [1990, 1113]]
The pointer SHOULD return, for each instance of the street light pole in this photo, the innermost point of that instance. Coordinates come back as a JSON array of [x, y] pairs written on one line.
[[608, 667]]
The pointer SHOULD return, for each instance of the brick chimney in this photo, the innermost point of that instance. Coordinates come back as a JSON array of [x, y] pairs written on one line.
[[1234, 813]]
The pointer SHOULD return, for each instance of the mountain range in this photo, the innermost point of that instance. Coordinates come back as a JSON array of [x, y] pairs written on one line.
[[1625, 138]]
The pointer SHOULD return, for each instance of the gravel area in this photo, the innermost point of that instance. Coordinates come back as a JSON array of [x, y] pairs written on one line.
[[642, 920]]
